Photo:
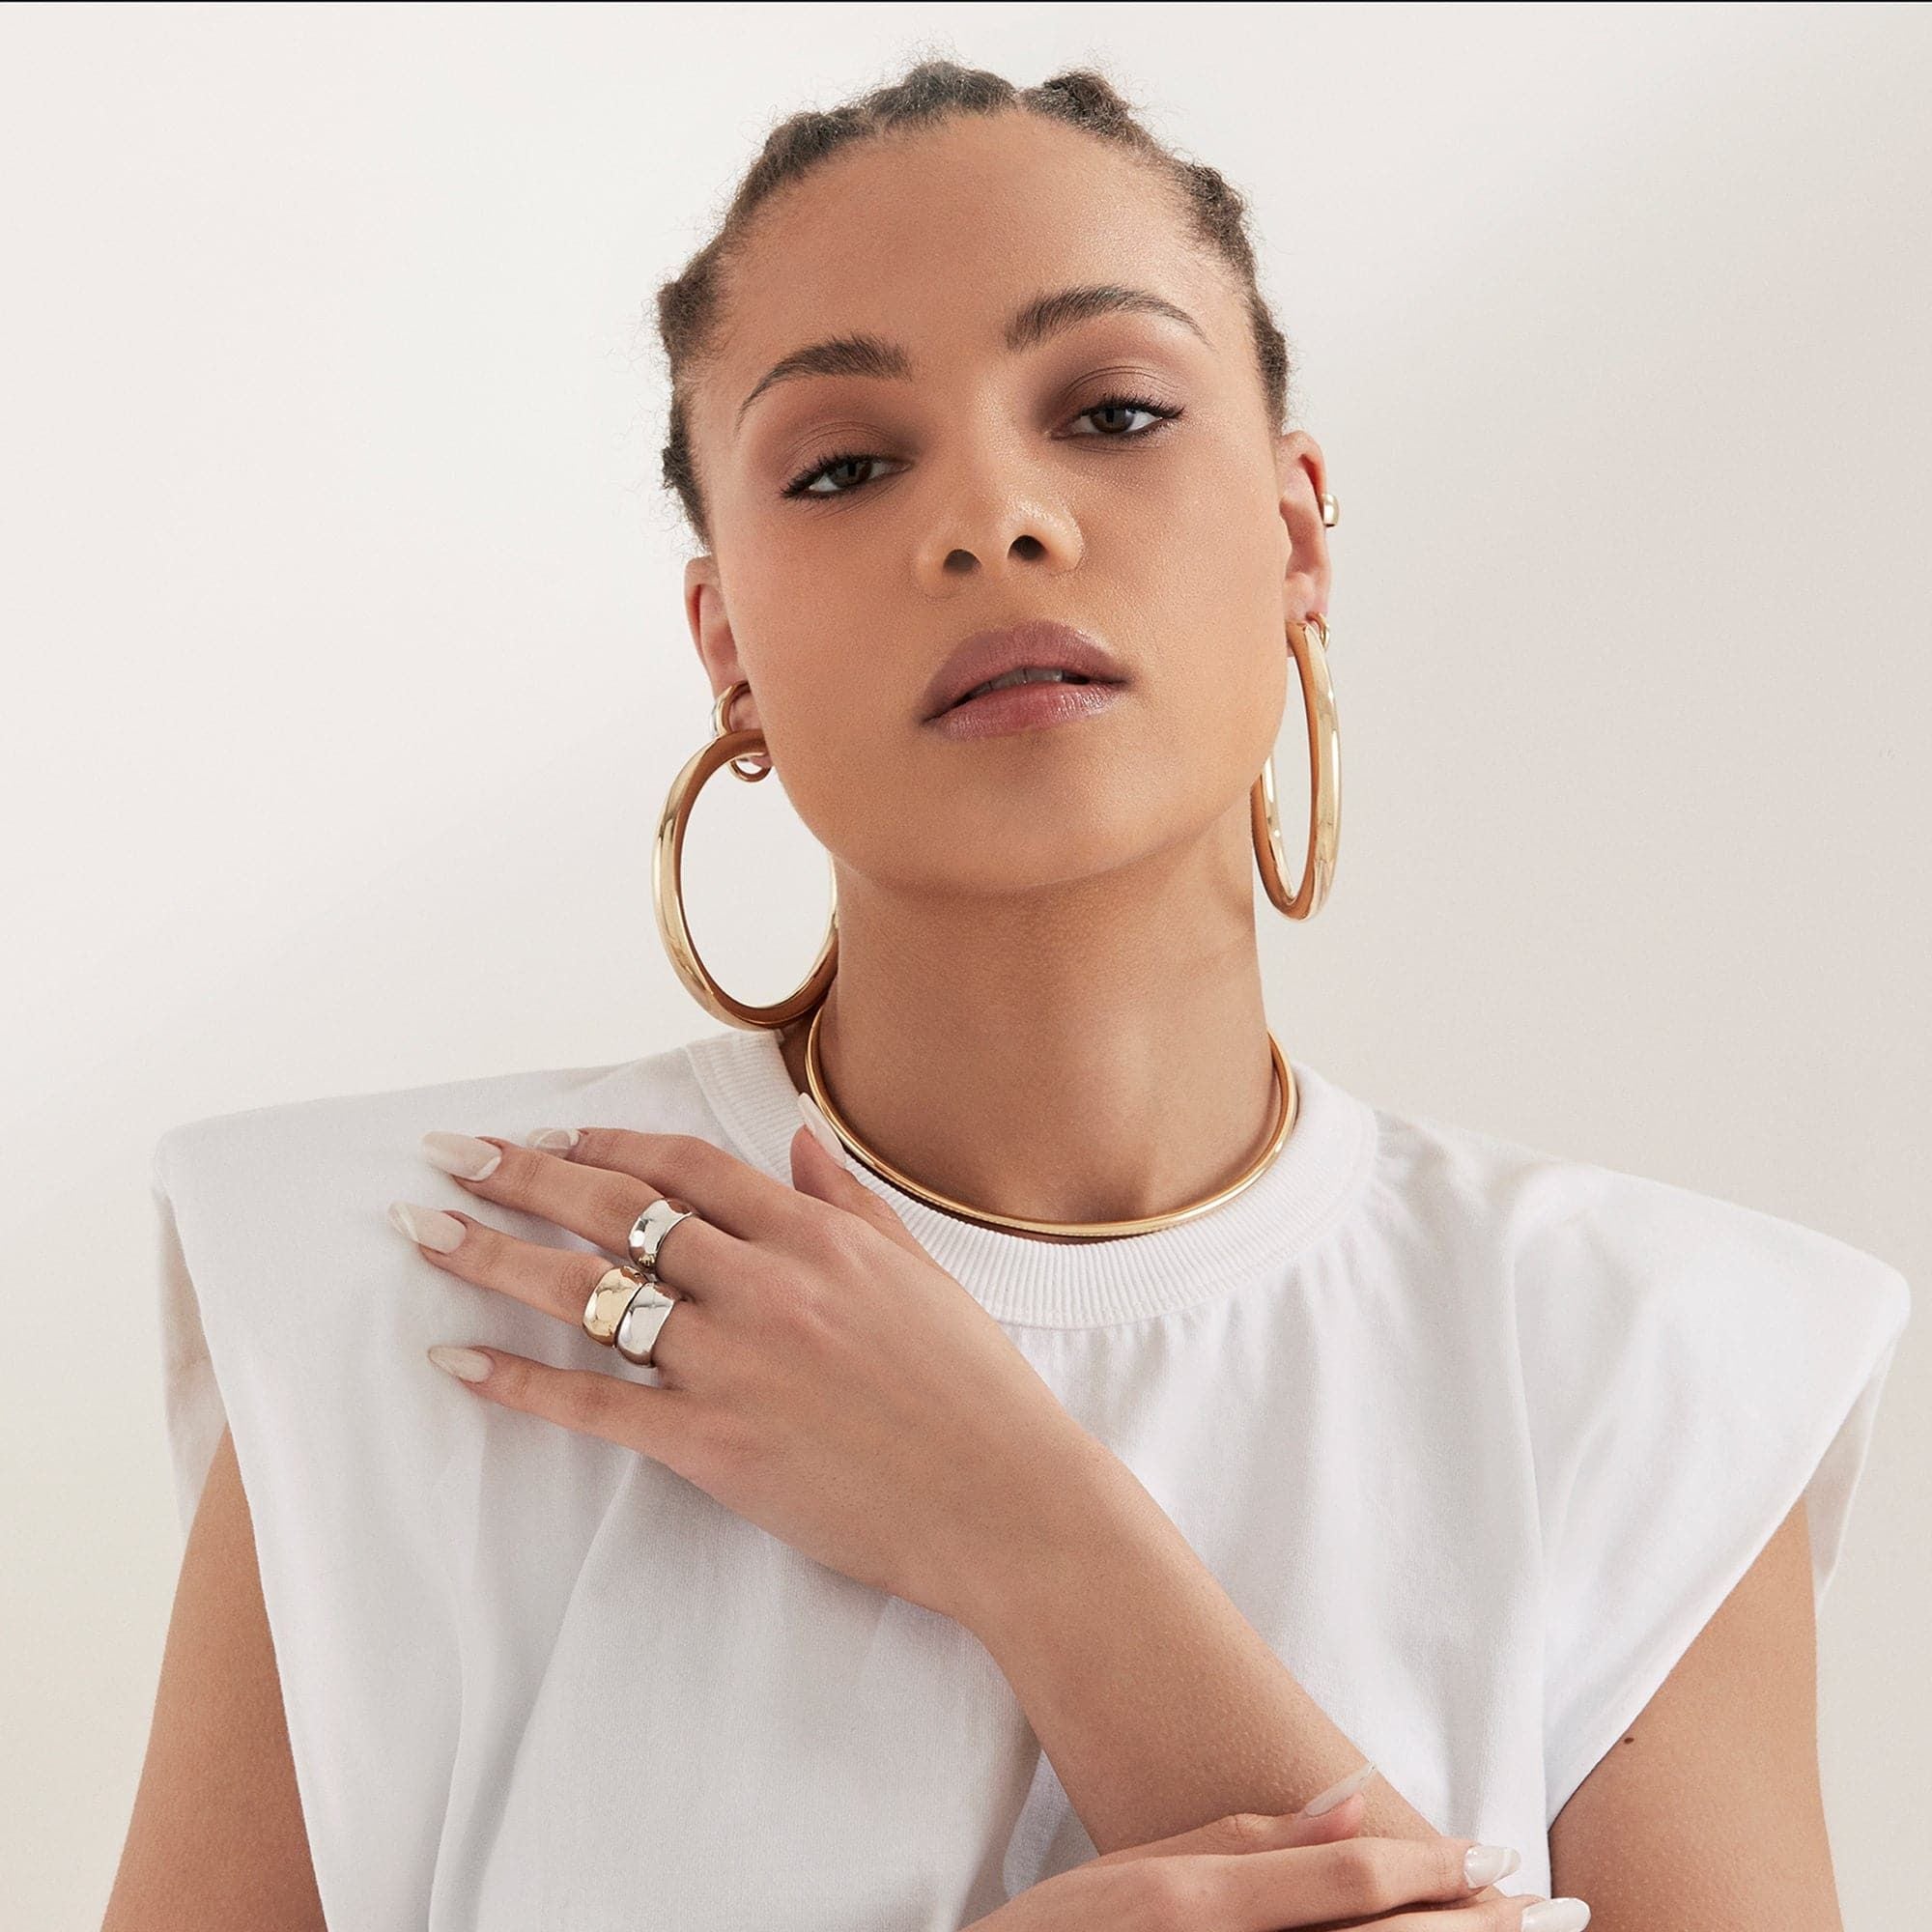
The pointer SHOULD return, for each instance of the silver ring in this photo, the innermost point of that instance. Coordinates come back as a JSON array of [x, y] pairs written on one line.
[[638, 1325], [648, 1230]]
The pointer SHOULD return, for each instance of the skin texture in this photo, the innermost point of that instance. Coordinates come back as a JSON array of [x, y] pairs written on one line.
[[1000, 1023], [216, 1841], [1708, 1811]]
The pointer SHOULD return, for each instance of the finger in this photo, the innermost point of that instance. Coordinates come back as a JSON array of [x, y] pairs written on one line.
[[698, 1260], [729, 1191], [602, 1205], [1244, 1832], [665, 1424], [816, 1171], [1493, 1912], [1352, 1879], [588, 1201]]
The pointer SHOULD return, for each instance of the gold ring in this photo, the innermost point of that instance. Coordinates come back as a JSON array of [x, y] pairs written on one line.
[[609, 1298]]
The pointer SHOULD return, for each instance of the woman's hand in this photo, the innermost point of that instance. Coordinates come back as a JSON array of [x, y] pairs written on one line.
[[820, 1375], [1252, 1873]]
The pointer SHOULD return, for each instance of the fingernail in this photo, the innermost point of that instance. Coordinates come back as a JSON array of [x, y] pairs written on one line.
[[1326, 1801], [462, 1155], [466, 1365], [1556, 1915], [1484, 1865], [552, 1140], [822, 1130], [431, 1227]]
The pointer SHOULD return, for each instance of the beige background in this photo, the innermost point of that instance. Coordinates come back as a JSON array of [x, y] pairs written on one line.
[[345, 669]]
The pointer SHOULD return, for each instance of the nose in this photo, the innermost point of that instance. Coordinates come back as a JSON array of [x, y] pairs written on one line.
[[1007, 529]]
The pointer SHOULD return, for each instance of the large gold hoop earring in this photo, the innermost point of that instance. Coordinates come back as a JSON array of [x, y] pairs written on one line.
[[667, 884], [1325, 768]]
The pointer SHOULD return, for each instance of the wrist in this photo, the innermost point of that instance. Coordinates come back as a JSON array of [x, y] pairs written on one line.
[[1084, 1514]]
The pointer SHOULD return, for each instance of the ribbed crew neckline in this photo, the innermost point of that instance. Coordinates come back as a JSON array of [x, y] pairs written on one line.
[[1310, 1184]]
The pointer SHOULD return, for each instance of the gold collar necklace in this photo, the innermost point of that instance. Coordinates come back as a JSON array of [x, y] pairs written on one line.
[[1285, 1115]]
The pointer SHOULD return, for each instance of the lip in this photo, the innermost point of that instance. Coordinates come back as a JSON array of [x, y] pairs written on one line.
[[1025, 707], [1040, 640]]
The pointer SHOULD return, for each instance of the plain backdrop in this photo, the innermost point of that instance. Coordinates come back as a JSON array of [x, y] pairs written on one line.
[[345, 668]]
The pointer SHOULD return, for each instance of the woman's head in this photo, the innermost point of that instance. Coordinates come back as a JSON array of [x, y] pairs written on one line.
[[1115, 463]]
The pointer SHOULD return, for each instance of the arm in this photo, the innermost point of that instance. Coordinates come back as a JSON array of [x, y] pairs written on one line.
[[216, 1838], [1158, 1703], [1708, 1811]]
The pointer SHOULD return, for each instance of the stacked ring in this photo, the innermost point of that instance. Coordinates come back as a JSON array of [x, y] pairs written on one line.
[[626, 1309], [637, 1329], [649, 1229], [610, 1297]]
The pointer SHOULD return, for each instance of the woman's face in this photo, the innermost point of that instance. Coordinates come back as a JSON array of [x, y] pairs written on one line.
[[990, 490]]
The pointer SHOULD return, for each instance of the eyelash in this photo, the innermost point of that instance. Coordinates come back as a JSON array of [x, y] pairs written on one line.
[[1164, 412]]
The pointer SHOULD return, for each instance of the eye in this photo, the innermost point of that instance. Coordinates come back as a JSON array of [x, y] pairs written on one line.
[[805, 482], [801, 485], [1118, 405]]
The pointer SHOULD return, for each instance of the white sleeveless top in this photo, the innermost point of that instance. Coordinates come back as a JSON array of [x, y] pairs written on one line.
[[1476, 1436]]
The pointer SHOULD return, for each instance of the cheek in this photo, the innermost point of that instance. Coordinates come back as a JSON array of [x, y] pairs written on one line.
[[1211, 621], [835, 717]]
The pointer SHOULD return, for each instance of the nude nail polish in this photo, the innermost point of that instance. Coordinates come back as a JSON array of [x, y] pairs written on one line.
[[427, 1227], [1326, 1801], [1484, 1865], [822, 1130], [466, 1365], [1556, 1915], [462, 1155]]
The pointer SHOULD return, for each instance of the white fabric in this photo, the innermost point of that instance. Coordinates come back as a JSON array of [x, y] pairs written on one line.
[[1477, 1437]]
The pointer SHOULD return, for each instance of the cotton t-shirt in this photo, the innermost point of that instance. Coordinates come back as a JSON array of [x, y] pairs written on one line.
[[1477, 1437]]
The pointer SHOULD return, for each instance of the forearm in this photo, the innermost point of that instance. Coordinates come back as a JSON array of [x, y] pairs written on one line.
[[1159, 1705]]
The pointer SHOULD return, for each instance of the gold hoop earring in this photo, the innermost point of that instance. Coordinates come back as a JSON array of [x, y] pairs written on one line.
[[1325, 768], [721, 723], [723, 747]]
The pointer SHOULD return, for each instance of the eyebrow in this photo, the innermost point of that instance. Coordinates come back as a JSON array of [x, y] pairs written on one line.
[[1025, 328]]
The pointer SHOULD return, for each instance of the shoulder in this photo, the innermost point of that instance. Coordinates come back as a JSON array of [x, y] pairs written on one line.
[[1580, 1239], [659, 1092]]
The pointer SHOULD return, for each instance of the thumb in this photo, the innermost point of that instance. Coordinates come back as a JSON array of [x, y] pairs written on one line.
[[819, 1166], [1252, 1832]]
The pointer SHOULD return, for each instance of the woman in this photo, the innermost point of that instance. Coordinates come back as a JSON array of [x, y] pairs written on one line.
[[1012, 1495]]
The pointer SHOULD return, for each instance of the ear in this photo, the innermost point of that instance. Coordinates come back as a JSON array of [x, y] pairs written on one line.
[[1302, 473], [710, 623]]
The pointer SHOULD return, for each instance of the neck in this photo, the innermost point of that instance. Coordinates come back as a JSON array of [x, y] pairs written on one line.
[[1086, 1052]]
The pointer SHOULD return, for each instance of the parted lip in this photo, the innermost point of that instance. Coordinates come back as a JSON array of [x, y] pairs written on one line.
[[1038, 642]]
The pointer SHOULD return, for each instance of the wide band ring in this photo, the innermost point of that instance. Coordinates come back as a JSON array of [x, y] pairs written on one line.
[[637, 1331], [648, 1230], [626, 1312], [610, 1294]]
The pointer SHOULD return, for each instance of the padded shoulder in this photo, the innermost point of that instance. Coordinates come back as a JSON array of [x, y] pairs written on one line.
[[295, 1315], [1689, 1368]]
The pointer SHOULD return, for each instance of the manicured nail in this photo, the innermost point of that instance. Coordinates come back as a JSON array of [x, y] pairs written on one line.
[[462, 1155], [466, 1365], [430, 1227], [552, 1140], [1326, 1801], [1484, 1865], [822, 1130], [1556, 1915]]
